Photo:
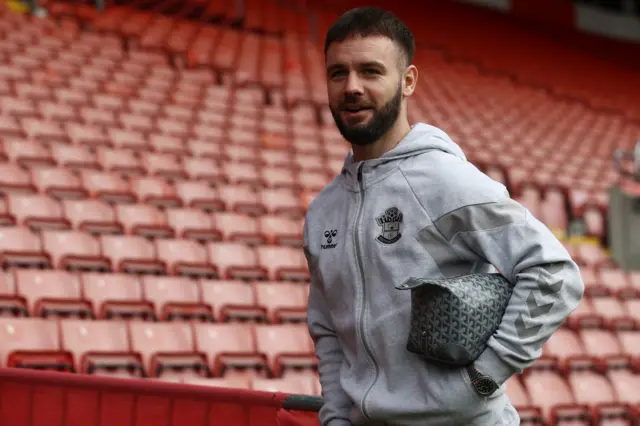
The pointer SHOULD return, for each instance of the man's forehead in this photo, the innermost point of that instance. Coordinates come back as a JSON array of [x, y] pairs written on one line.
[[359, 50]]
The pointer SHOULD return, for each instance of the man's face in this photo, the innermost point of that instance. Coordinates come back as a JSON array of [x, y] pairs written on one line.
[[364, 87]]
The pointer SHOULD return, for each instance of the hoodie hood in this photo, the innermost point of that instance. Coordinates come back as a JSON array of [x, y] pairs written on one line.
[[422, 138]]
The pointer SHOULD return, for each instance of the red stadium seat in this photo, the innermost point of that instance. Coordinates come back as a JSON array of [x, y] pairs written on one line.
[[235, 261], [194, 224], [175, 298], [74, 250], [14, 178], [19, 246], [167, 349], [155, 190], [144, 220], [283, 263], [284, 302], [232, 300], [237, 227], [185, 257], [74, 156], [280, 230], [37, 211], [92, 216], [108, 187], [116, 296], [199, 194], [32, 343], [287, 346], [58, 183], [52, 293], [131, 254], [28, 153], [100, 347], [230, 347], [121, 161]]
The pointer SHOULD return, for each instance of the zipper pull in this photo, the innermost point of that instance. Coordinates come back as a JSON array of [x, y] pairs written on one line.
[[360, 173]]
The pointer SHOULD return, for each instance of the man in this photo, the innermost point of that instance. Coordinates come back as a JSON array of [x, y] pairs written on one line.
[[408, 204]]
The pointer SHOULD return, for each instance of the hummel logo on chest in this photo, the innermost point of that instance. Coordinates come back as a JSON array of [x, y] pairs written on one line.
[[329, 236]]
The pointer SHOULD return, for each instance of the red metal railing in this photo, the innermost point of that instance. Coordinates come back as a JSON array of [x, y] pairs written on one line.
[[43, 398]]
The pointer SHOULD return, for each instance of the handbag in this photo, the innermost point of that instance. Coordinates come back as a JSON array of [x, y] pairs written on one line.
[[453, 318]]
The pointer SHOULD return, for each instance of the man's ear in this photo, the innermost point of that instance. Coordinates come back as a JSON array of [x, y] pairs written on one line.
[[410, 79]]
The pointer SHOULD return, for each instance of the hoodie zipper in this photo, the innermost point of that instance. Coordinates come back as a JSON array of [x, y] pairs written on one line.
[[364, 299]]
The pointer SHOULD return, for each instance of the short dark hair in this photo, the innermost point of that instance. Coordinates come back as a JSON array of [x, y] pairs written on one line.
[[372, 21]]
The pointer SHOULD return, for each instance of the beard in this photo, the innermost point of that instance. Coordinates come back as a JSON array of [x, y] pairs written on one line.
[[380, 123]]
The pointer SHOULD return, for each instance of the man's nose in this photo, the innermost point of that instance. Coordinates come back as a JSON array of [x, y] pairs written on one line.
[[353, 84]]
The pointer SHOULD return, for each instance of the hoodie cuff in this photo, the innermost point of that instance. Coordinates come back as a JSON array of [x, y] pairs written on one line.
[[490, 364], [339, 422]]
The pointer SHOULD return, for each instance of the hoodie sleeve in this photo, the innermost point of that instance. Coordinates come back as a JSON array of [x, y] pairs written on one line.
[[547, 282], [337, 405]]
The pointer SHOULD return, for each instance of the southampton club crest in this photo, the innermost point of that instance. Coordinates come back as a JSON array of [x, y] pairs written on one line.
[[390, 222]]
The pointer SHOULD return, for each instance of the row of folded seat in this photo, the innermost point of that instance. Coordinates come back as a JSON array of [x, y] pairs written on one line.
[[92, 295], [584, 393], [151, 349], [63, 184], [217, 163], [77, 250], [202, 222]]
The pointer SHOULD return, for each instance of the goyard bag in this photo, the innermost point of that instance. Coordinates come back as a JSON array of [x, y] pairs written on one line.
[[453, 318]]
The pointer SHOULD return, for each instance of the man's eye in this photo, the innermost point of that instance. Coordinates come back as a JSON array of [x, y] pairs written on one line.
[[371, 72], [337, 74]]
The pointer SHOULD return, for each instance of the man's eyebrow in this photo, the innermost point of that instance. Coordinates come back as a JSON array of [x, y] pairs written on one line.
[[368, 64]]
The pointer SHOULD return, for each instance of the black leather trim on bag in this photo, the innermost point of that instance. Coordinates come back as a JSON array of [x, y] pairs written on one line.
[[453, 318]]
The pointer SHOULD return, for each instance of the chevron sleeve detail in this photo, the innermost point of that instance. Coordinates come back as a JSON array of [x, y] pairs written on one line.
[[547, 282]]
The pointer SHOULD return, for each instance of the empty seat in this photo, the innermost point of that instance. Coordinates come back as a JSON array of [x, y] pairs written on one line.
[[74, 156], [167, 349], [549, 390], [37, 211], [185, 257], [609, 308], [28, 153], [52, 293], [46, 131], [600, 342], [625, 383], [32, 343], [614, 279], [564, 343], [238, 227], [283, 263], [232, 300], [131, 254], [14, 178], [193, 223], [629, 342], [287, 346], [175, 298], [279, 230], [122, 161], [74, 250], [108, 187], [275, 177], [230, 347], [92, 216], [241, 199], [144, 220], [163, 164], [235, 261], [169, 145], [203, 169], [90, 135], [199, 194], [283, 301], [116, 296], [155, 190], [100, 347], [281, 202], [58, 183], [20, 246]]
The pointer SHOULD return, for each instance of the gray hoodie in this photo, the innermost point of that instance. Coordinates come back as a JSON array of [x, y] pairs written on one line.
[[422, 210]]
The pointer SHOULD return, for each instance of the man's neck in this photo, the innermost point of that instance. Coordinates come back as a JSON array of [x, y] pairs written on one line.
[[383, 145]]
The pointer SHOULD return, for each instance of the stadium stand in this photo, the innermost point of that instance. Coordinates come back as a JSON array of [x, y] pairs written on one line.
[[155, 171]]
